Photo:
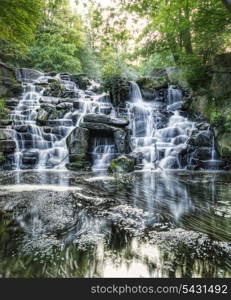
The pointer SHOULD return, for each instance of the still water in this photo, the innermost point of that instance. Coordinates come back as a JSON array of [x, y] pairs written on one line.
[[148, 224]]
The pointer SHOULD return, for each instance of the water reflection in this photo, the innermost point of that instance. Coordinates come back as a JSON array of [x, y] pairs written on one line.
[[58, 224]]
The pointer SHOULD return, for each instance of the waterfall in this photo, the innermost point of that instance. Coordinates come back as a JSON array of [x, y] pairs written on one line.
[[159, 145], [103, 153], [42, 147], [135, 93]]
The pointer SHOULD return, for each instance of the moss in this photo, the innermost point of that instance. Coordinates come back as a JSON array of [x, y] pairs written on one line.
[[76, 158], [122, 164], [4, 111], [78, 166], [2, 158]]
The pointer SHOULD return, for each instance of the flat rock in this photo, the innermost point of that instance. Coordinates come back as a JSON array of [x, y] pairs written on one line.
[[100, 118]]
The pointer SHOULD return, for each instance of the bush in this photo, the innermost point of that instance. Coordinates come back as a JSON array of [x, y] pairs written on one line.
[[115, 83], [217, 118]]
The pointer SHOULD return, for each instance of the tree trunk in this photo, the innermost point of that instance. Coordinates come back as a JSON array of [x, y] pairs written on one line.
[[186, 33], [227, 3]]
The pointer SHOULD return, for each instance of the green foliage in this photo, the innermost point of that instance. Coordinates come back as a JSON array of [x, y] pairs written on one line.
[[18, 23], [53, 51], [122, 164], [3, 109], [221, 120], [185, 30], [18, 19], [154, 61], [115, 83], [217, 118], [194, 71], [228, 123]]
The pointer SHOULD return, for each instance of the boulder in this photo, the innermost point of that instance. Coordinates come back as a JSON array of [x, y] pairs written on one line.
[[100, 118], [64, 106], [28, 75], [203, 153], [122, 164], [5, 134], [108, 129], [121, 140], [78, 162], [7, 146], [152, 83], [81, 80], [202, 139], [42, 117], [148, 94], [9, 87], [77, 141]]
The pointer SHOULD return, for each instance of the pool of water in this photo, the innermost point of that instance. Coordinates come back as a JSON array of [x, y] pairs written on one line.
[[148, 224]]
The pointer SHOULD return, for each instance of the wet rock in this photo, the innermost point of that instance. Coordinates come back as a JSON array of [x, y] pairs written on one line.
[[12, 103], [148, 94], [5, 122], [100, 118], [203, 126], [7, 146], [27, 75], [121, 140], [64, 106], [9, 87], [81, 80], [99, 127], [202, 139], [5, 134], [42, 117], [58, 122], [153, 83], [122, 164], [203, 153], [77, 141], [30, 158]]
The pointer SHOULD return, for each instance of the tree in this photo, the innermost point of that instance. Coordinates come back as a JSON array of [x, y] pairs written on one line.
[[18, 23], [227, 3], [59, 40], [185, 28]]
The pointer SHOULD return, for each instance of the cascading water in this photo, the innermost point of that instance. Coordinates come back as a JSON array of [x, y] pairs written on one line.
[[158, 145], [43, 147], [103, 153], [160, 132]]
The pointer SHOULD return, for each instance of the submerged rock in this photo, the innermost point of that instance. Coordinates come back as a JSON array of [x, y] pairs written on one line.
[[122, 164]]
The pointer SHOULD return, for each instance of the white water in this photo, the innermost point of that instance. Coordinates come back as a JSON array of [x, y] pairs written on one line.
[[36, 147], [103, 153], [158, 147]]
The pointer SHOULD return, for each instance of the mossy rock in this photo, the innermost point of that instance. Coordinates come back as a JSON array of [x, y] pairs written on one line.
[[122, 164], [78, 166], [152, 83], [81, 80], [77, 158]]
